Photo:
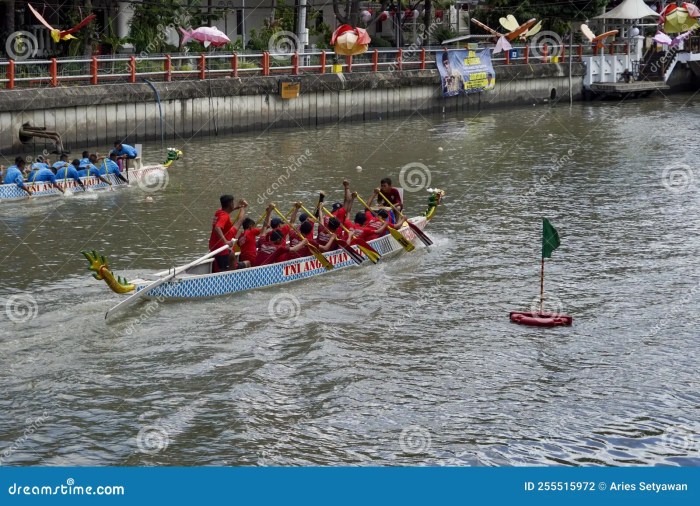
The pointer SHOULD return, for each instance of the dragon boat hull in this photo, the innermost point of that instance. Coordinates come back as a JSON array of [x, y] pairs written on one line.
[[11, 192], [194, 285]]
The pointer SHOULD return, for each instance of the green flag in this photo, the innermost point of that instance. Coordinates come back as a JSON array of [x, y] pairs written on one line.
[[550, 238]]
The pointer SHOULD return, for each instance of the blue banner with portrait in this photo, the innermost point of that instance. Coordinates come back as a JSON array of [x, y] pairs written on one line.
[[465, 71]]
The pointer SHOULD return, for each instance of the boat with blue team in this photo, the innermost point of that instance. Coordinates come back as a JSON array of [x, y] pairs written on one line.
[[148, 177], [197, 280]]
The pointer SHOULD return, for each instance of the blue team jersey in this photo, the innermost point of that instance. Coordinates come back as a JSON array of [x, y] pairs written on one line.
[[127, 150], [84, 161], [93, 171], [30, 176], [60, 164], [72, 173], [13, 176], [43, 175], [112, 168]]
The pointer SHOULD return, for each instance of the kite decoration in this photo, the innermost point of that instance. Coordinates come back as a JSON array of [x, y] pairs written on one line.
[[679, 18], [511, 24], [664, 39], [207, 35], [59, 35], [515, 30], [347, 40], [598, 40]]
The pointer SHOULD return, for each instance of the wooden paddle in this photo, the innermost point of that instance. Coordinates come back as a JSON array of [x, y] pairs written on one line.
[[368, 250], [129, 301], [416, 230], [394, 233], [314, 251]]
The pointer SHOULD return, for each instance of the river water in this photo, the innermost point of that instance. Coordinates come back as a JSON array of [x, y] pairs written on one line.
[[410, 362]]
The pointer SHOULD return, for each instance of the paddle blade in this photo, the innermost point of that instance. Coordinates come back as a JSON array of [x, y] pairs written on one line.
[[420, 234], [319, 256], [372, 255], [405, 243], [357, 258]]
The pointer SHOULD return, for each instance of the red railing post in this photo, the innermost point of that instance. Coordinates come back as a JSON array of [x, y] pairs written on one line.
[[627, 48], [295, 64], [580, 52], [612, 48], [375, 60], [132, 69], [422, 58], [545, 53], [348, 62], [53, 71], [93, 71], [266, 63], [202, 66], [507, 55], [323, 62], [399, 58], [234, 65], [168, 68], [595, 50], [527, 54], [11, 75]]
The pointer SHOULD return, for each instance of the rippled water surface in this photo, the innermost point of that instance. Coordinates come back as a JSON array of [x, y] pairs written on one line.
[[409, 362]]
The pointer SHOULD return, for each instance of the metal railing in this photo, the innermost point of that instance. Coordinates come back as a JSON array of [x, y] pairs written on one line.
[[55, 72]]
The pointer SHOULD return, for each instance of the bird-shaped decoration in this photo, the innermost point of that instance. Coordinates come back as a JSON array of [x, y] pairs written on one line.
[[598, 40], [347, 40], [503, 43], [59, 35]]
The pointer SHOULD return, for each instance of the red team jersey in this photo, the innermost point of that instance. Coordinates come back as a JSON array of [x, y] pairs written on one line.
[[393, 195], [247, 244], [222, 220]]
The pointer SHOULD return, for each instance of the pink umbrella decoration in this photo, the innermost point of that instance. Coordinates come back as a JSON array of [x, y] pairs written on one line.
[[207, 35], [350, 41]]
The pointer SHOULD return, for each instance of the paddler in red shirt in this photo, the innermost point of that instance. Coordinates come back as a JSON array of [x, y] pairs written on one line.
[[363, 231], [307, 230], [223, 231], [389, 192]]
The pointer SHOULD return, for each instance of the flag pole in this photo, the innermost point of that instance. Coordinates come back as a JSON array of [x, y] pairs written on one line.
[[542, 287]]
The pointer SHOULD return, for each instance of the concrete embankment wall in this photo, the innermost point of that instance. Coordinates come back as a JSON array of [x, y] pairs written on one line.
[[94, 116]]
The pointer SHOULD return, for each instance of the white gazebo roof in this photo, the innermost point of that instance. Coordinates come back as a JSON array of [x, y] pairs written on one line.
[[629, 9]]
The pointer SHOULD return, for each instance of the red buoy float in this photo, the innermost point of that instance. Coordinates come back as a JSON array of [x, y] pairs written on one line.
[[537, 319]]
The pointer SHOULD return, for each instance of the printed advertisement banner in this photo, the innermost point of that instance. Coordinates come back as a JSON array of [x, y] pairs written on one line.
[[465, 71]]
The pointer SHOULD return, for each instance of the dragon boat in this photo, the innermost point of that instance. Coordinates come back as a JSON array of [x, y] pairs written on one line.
[[146, 176], [197, 281]]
